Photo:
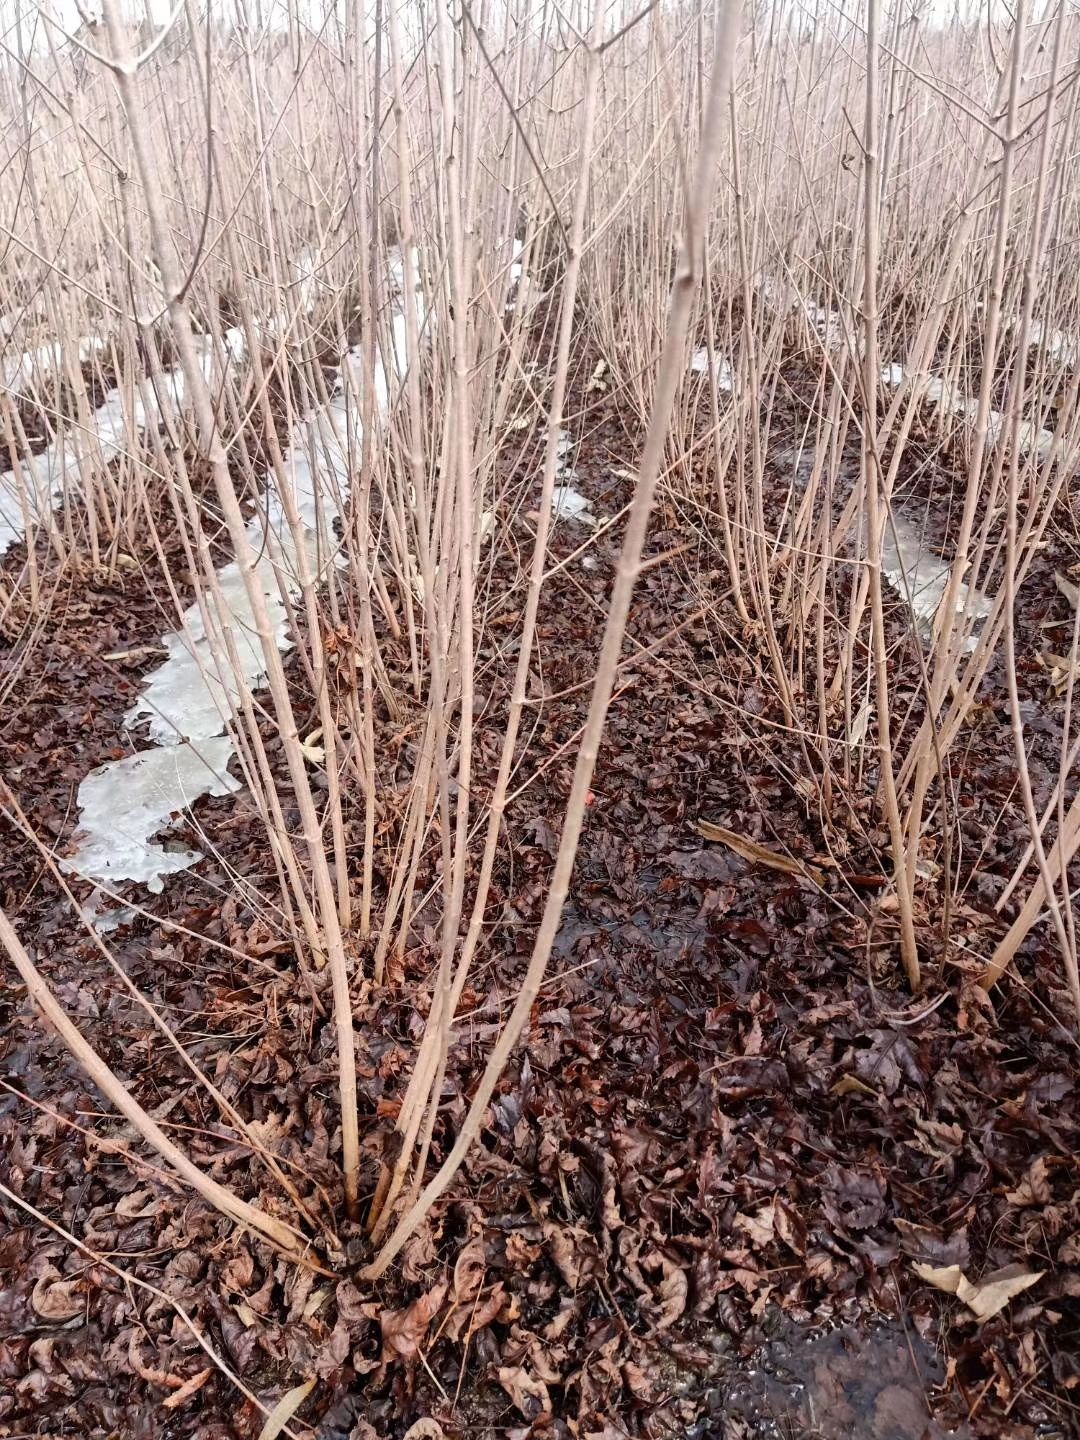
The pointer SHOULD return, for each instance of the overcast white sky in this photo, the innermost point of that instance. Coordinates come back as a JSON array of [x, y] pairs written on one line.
[[66, 12]]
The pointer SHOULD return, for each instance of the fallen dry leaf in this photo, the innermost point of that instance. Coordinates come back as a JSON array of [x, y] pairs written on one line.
[[1034, 1188], [137, 1205], [285, 1409], [671, 1293], [989, 1295], [561, 1242], [469, 1271], [1068, 589], [55, 1299], [790, 1226], [530, 1395], [759, 854], [759, 1227], [424, 1429], [403, 1331], [187, 1390], [313, 752], [852, 1085]]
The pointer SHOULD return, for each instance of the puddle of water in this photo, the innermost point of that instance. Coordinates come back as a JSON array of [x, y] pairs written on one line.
[[854, 1383]]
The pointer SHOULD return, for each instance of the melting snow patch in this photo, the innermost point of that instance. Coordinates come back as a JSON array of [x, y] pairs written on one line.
[[699, 364], [29, 492], [569, 504], [18, 374], [920, 577], [125, 802], [1060, 347], [892, 375], [950, 400], [187, 700]]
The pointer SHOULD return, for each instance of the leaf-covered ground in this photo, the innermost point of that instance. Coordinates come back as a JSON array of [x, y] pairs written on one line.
[[724, 1181]]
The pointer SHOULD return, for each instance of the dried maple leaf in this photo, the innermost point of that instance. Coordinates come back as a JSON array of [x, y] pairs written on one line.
[[403, 1331], [1034, 1188], [520, 1252], [424, 1429], [790, 1226], [530, 1395], [671, 1293], [137, 1205], [419, 1255], [760, 1227], [562, 1243]]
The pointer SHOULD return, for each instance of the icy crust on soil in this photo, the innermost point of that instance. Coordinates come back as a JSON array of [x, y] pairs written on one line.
[[153, 785], [921, 578], [567, 501], [187, 702], [29, 492]]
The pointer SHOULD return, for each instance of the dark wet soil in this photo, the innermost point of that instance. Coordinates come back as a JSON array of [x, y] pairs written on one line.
[[708, 1174], [872, 1382]]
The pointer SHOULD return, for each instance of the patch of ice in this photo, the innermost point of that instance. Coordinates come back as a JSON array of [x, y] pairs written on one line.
[[519, 284], [45, 476], [105, 921], [892, 374], [1060, 347], [827, 324], [916, 574], [950, 400], [570, 504], [153, 785], [699, 364], [187, 701], [306, 277], [567, 502]]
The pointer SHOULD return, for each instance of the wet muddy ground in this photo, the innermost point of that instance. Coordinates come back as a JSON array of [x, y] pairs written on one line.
[[709, 1174]]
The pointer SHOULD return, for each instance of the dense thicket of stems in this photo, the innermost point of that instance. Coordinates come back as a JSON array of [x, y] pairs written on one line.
[[374, 245]]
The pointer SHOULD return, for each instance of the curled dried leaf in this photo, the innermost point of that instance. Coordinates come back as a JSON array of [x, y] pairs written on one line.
[[530, 1395], [56, 1299], [988, 1295], [403, 1331], [759, 854], [1034, 1188], [425, 1429], [188, 1389], [671, 1293]]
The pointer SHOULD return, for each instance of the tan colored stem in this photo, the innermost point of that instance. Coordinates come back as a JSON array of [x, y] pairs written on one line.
[[115, 1091]]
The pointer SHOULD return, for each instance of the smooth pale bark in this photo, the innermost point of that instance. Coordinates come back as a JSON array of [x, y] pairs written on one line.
[[683, 295]]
